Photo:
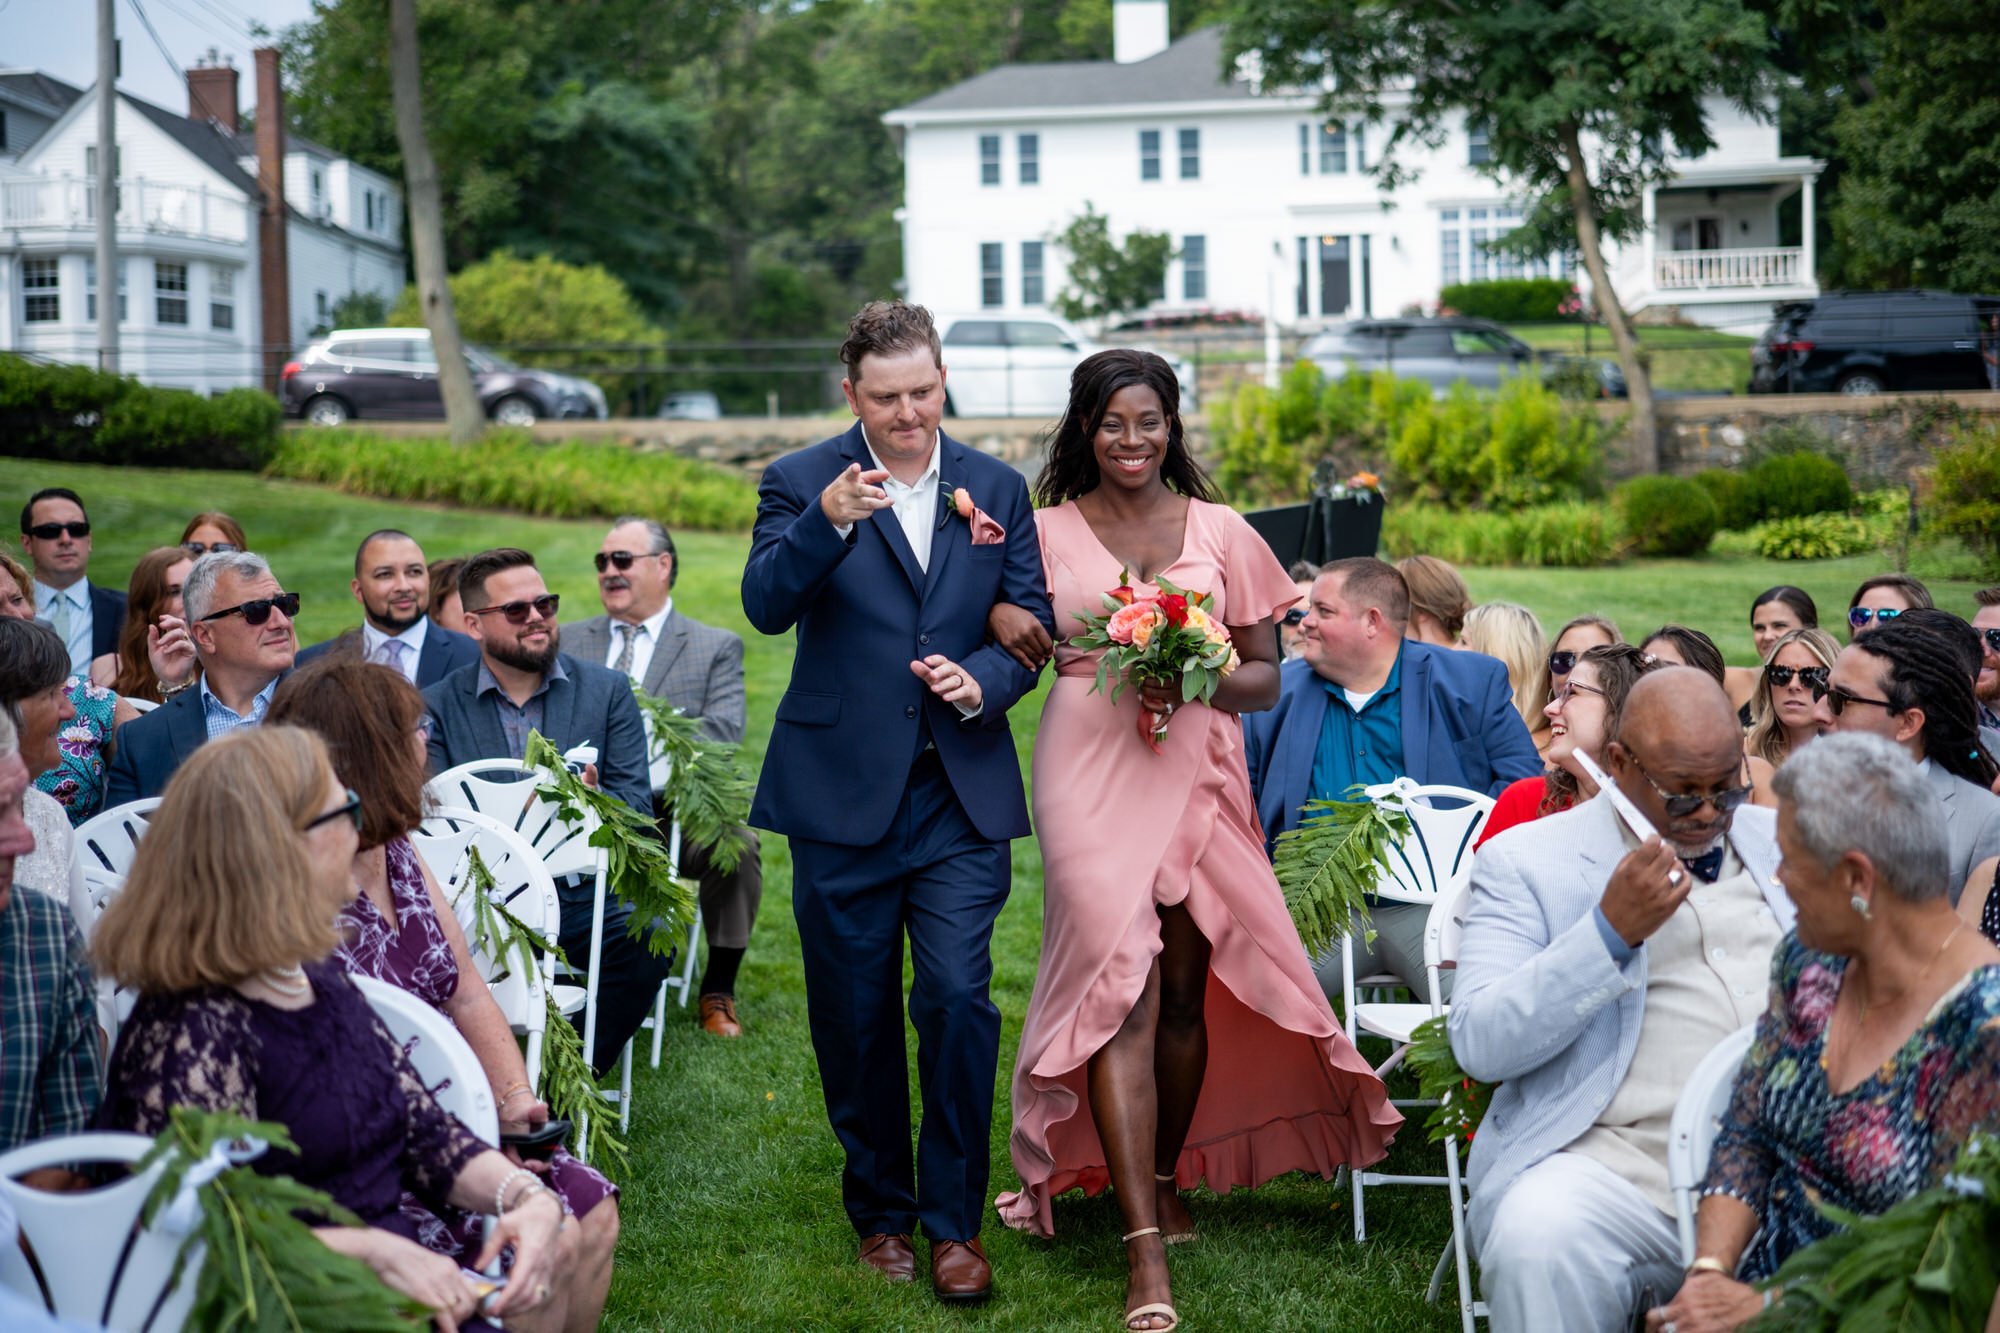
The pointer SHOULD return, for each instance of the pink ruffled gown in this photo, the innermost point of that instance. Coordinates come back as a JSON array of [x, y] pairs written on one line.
[[1122, 831]]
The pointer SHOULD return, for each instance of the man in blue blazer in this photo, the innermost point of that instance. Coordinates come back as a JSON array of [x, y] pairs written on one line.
[[392, 583], [892, 772], [1365, 705]]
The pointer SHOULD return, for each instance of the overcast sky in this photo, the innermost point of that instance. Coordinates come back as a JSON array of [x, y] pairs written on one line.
[[59, 37]]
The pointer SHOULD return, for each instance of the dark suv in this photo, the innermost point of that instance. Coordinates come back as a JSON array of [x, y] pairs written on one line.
[[392, 373], [1876, 342], [1444, 350]]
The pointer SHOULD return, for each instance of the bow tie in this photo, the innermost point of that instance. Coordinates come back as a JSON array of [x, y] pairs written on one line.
[[1706, 866]]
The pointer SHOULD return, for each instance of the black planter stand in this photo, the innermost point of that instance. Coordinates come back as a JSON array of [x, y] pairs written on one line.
[[1320, 530]]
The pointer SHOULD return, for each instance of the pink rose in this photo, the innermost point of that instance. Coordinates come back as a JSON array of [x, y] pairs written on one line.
[[961, 500], [1126, 622]]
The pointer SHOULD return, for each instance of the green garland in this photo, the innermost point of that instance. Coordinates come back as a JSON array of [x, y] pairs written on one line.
[[707, 789], [640, 872], [1330, 863], [265, 1271], [1461, 1099], [1928, 1265], [568, 1086]]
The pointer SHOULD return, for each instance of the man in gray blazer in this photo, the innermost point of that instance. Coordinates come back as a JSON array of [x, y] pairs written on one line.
[[1906, 683], [523, 682], [698, 669], [1597, 969]]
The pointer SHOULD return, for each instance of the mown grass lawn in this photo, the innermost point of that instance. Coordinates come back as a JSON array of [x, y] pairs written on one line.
[[1683, 360], [732, 1211]]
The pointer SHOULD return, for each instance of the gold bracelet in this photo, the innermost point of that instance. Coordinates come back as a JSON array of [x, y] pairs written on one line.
[[1708, 1263]]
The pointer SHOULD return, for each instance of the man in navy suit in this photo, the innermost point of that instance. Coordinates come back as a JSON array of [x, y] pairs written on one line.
[[55, 536], [1365, 705], [892, 772], [392, 583]]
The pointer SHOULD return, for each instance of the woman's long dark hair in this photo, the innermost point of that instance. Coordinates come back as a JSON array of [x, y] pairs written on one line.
[[1798, 599], [1071, 467]]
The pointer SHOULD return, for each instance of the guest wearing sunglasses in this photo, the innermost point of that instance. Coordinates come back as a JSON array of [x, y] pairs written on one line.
[[524, 682], [240, 619], [1986, 689], [698, 669], [392, 583], [1573, 640], [1881, 599], [55, 535], [212, 530], [1781, 711], [1291, 635], [1906, 683]]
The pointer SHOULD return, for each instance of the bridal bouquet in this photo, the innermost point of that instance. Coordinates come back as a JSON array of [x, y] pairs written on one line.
[[1162, 640]]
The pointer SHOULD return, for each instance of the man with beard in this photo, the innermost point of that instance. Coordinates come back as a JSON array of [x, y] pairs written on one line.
[[392, 583], [1987, 686], [523, 682], [1604, 955]]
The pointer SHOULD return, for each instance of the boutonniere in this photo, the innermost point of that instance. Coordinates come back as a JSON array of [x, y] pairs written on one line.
[[956, 500]]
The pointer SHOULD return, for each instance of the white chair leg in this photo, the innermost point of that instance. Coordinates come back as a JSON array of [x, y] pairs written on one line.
[[534, 1062], [688, 963], [625, 1091]]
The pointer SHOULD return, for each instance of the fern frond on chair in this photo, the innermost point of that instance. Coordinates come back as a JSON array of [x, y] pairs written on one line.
[[1461, 1099], [1331, 862], [707, 789], [570, 1088]]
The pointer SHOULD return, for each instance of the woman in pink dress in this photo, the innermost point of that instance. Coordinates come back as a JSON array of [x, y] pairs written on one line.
[[1176, 1033]]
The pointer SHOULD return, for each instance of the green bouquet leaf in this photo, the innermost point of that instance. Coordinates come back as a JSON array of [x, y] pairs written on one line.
[[1461, 1099], [707, 788], [1331, 862]]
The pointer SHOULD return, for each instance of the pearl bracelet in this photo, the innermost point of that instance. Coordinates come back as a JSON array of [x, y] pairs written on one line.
[[500, 1194]]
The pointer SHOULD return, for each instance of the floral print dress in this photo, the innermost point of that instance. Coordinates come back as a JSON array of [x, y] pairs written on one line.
[[77, 781], [1790, 1144]]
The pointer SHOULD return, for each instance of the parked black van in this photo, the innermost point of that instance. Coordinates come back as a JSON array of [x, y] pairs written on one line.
[[1879, 342]]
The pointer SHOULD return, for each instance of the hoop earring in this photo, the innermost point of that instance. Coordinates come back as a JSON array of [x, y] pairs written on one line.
[[1860, 906]]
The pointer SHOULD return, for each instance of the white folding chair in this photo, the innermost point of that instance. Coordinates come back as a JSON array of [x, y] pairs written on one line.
[[140, 705], [506, 790], [107, 842], [85, 1256], [440, 1056], [1442, 934], [521, 885], [683, 980], [1428, 864], [1697, 1120]]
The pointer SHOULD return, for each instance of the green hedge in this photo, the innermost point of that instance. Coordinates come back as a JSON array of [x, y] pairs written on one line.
[[1962, 494], [1568, 536], [510, 470], [1664, 515], [73, 414], [1795, 485], [1509, 300]]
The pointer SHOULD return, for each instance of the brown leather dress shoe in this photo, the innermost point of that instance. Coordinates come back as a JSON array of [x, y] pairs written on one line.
[[718, 1016], [960, 1272], [890, 1255]]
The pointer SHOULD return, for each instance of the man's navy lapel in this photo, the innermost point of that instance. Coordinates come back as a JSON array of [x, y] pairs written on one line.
[[952, 531], [854, 448], [1413, 699], [489, 738], [1301, 736], [559, 710], [187, 725]]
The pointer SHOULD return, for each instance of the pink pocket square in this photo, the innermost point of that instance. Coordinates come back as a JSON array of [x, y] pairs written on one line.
[[985, 532]]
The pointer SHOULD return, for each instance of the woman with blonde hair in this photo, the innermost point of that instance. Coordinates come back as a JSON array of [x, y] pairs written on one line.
[[1439, 600], [1510, 632], [224, 926], [1781, 711]]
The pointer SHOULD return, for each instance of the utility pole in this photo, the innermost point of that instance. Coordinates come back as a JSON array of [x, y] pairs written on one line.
[[107, 188]]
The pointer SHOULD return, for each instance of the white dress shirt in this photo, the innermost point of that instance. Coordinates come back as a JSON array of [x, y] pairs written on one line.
[[412, 640], [77, 596], [915, 505]]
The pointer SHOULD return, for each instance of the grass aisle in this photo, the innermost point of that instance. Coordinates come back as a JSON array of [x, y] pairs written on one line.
[[732, 1211]]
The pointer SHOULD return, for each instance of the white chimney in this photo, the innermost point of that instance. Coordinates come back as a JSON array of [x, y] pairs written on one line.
[[1138, 29]]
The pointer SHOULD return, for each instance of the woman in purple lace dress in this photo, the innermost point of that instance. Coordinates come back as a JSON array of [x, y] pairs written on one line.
[[224, 926], [399, 929]]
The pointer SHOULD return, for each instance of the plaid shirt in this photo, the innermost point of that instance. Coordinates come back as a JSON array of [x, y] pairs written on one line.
[[220, 718], [51, 1070]]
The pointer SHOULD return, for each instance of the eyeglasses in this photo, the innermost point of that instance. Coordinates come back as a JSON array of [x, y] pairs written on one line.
[[205, 548], [1861, 615], [351, 808], [1992, 637], [1561, 696], [258, 610], [48, 532], [1297, 617], [517, 612], [1837, 698], [1561, 664], [621, 559], [1781, 676], [1682, 804]]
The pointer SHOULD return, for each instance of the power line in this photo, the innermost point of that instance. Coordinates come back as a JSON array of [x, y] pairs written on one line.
[[152, 32]]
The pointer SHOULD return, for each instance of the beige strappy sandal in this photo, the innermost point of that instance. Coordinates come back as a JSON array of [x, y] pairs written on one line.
[[1177, 1237], [1156, 1308]]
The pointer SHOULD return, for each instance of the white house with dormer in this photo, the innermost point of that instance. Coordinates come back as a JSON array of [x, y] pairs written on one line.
[[1272, 209], [190, 267]]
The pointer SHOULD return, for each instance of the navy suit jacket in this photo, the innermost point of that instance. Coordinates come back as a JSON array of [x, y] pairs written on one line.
[[1459, 729], [148, 749], [847, 729], [445, 651], [594, 705], [107, 618]]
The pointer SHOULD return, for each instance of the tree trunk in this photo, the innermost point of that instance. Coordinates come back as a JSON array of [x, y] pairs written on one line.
[[1644, 426], [461, 400]]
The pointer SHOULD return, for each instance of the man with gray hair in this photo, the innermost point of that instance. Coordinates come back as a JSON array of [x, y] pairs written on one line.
[[1607, 949], [241, 622], [698, 669]]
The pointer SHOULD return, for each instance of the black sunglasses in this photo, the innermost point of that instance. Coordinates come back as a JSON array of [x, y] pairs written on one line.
[[204, 548], [1861, 615], [1562, 663], [1781, 676], [1992, 637], [517, 612], [48, 532], [622, 559], [1297, 616], [351, 808], [1837, 698], [258, 610], [1680, 805]]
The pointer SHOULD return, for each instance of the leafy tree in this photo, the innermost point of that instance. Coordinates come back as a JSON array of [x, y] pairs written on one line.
[[1107, 279], [1580, 99], [358, 310]]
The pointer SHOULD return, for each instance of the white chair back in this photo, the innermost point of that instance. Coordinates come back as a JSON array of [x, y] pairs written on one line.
[[505, 790], [141, 705], [85, 1256], [1444, 824], [1697, 1120], [107, 842], [440, 1056]]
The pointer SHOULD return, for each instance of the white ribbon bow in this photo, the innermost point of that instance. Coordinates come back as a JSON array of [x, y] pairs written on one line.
[[183, 1215]]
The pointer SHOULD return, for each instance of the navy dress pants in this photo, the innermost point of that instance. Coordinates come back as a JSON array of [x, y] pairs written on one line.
[[934, 878]]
